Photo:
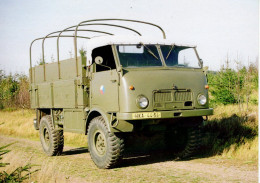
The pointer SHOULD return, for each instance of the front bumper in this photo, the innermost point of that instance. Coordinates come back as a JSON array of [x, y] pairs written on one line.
[[168, 114]]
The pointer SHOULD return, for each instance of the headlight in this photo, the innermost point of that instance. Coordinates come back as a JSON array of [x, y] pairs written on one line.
[[142, 102], [202, 100]]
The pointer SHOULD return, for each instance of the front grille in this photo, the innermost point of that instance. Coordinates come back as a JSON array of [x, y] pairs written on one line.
[[182, 96], [163, 97], [172, 99], [170, 96]]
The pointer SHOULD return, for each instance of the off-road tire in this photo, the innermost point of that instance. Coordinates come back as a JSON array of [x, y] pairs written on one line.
[[52, 140], [105, 147], [193, 143], [190, 143]]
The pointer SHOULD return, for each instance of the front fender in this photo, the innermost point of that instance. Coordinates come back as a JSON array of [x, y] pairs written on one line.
[[94, 112]]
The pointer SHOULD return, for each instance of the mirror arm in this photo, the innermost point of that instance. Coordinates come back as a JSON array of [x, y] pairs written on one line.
[[200, 60]]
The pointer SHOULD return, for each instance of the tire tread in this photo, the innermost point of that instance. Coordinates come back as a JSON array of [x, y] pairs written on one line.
[[57, 139], [115, 145]]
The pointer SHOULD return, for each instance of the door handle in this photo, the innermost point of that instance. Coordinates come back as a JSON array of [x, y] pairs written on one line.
[[113, 80]]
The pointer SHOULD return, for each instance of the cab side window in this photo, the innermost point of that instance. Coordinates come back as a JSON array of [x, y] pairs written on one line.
[[106, 54]]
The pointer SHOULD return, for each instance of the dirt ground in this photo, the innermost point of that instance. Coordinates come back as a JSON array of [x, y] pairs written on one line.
[[75, 165]]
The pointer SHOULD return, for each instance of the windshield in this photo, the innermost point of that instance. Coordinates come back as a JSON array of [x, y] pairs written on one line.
[[141, 55], [180, 56]]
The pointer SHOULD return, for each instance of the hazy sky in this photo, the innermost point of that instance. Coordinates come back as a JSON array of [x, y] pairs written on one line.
[[218, 27]]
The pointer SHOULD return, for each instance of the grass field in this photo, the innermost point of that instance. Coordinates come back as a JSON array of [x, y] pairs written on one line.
[[232, 132], [230, 149], [19, 123]]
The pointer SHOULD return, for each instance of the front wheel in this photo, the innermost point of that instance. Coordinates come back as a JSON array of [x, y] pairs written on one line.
[[105, 147], [184, 141]]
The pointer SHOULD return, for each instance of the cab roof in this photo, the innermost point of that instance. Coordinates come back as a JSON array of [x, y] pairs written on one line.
[[100, 41]]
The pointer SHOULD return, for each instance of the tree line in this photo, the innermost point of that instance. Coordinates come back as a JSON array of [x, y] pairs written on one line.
[[227, 86]]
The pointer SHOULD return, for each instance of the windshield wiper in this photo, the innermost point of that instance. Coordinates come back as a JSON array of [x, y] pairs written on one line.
[[180, 65], [169, 52], [149, 51]]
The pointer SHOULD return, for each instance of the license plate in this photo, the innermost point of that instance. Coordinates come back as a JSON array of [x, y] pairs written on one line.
[[145, 115]]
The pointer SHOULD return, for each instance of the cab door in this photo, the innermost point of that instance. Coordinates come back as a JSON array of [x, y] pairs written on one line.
[[104, 80]]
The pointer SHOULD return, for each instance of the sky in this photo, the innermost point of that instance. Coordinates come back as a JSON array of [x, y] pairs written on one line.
[[219, 28]]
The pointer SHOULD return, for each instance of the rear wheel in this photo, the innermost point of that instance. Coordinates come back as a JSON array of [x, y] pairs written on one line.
[[52, 140], [105, 147]]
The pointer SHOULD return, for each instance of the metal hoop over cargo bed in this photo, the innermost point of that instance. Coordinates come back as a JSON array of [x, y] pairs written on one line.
[[75, 29]]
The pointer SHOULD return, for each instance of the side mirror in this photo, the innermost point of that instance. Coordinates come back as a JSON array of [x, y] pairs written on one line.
[[205, 70], [201, 62], [99, 60]]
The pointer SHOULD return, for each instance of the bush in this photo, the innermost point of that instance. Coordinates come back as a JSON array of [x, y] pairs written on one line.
[[223, 85], [18, 175], [230, 86], [14, 91]]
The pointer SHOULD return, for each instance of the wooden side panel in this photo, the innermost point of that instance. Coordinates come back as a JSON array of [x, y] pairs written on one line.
[[64, 94], [80, 96], [67, 71], [34, 96], [32, 74], [38, 74], [68, 68], [45, 95], [51, 70]]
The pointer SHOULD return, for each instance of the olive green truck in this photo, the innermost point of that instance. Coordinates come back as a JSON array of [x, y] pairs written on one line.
[[117, 87]]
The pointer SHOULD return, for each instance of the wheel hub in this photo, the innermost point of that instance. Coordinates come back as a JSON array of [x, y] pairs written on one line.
[[46, 136], [100, 143]]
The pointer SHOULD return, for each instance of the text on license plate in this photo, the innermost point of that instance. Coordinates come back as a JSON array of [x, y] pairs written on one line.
[[146, 115]]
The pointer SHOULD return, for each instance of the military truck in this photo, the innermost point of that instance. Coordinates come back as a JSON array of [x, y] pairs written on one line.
[[118, 87]]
